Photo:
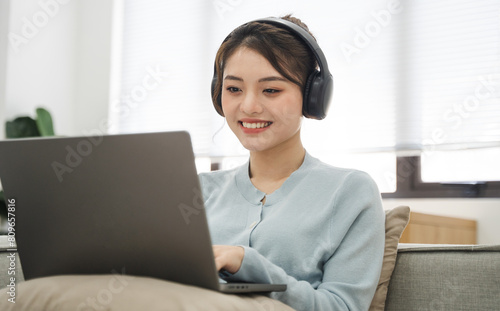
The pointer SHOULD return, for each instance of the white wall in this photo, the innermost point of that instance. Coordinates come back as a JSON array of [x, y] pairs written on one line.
[[4, 26], [65, 67], [93, 65], [41, 67], [60, 61], [485, 211]]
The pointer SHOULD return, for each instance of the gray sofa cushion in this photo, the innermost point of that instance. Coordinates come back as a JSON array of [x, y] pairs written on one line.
[[6, 264], [445, 278]]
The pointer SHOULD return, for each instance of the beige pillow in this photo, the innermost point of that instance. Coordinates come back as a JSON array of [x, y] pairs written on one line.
[[122, 292], [396, 220]]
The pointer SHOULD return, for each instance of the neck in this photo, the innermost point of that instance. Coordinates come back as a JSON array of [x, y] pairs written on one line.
[[277, 163]]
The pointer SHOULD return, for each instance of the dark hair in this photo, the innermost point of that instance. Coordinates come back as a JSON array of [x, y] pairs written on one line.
[[287, 53]]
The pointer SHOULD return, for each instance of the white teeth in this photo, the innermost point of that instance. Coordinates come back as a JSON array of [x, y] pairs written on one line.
[[255, 125]]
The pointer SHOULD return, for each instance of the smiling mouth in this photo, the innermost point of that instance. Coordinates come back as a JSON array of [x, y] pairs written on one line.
[[255, 125]]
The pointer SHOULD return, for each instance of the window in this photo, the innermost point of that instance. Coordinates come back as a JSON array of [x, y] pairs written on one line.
[[413, 79]]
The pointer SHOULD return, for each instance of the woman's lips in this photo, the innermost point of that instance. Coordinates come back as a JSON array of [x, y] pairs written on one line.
[[254, 126]]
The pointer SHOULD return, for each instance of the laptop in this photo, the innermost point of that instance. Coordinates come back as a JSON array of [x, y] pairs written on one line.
[[128, 203]]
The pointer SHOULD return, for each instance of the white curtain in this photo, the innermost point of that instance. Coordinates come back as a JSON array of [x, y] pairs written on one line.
[[409, 76]]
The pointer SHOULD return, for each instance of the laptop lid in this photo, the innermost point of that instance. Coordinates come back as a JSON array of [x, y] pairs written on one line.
[[105, 204], [127, 203]]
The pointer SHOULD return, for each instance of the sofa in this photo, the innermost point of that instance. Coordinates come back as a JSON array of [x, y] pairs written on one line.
[[445, 277], [425, 277], [413, 277]]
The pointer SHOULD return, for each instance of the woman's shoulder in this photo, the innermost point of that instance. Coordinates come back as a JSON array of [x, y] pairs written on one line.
[[349, 187], [320, 169]]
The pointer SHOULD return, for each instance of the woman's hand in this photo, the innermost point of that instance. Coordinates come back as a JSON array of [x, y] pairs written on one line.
[[228, 258]]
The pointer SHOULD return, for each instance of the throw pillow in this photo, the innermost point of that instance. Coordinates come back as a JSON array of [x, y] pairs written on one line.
[[396, 220]]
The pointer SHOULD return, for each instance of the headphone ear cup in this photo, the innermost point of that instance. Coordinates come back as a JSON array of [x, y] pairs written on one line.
[[308, 93], [317, 95], [326, 94]]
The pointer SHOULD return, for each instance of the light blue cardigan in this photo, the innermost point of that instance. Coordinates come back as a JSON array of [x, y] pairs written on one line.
[[321, 233]]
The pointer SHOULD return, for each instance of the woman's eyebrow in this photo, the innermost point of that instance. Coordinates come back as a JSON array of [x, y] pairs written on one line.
[[266, 79], [272, 78], [230, 77]]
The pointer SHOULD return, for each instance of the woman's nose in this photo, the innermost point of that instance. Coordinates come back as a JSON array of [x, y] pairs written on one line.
[[250, 104]]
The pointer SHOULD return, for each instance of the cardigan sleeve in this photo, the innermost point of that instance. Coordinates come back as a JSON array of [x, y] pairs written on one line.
[[351, 273]]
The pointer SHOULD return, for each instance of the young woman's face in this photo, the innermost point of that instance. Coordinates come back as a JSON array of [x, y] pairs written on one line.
[[261, 107]]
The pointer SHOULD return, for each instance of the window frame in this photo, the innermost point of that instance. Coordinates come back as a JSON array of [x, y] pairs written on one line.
[[409, 184]]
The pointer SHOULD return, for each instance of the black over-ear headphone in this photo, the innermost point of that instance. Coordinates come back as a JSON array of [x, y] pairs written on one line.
[[319, 85]]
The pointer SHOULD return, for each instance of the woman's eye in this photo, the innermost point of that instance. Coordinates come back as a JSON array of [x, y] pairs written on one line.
[[233, 89], [271, 91]]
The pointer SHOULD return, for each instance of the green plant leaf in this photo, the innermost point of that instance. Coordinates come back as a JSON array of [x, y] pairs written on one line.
[[3, 205], [21, 127], [44, 122]]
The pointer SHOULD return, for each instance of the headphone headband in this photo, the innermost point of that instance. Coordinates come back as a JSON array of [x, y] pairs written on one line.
[[319, 85], [306, 37]]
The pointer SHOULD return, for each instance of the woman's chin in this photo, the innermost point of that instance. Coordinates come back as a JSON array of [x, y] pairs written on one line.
[[254, 146]]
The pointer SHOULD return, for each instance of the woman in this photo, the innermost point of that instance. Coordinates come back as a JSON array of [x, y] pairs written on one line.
[[286, 217]]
